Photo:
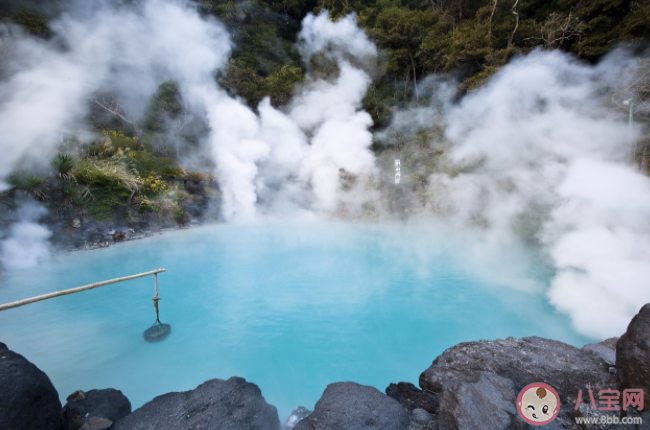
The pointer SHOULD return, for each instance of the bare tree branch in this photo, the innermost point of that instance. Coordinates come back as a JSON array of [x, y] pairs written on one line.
[[494, 8], [557, 29], [512, 36], [110, 104]]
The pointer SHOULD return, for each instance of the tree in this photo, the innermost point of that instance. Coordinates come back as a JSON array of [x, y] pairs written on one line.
[[403, 31], [558, 29], [166, 106], [109, 102]]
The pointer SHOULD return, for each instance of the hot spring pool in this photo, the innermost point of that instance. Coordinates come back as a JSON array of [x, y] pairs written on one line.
[[288, 308]]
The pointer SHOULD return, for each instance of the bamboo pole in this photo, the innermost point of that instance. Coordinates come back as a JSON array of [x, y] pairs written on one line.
[[78, 289]]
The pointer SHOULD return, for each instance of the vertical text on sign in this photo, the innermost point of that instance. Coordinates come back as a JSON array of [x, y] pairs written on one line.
[[398, 174]]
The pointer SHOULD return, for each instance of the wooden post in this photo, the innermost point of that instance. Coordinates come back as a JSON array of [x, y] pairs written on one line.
[[79, 289]]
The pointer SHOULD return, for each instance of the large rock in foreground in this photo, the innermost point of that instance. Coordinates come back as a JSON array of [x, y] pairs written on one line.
[[350, 406], [28, 400], [216, 404], [482, 400], [523, 361], [108, 404], [633, 354]]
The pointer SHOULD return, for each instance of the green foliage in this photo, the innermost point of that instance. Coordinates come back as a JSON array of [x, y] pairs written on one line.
[[148, 163], [474, 38], [113, 172], [166, 101], [32, 20], [109, 184], [28, 184], [280, 85], [243, 81], [107, 200], [63, 165], [636, 25], [112, 143], [264, 59]]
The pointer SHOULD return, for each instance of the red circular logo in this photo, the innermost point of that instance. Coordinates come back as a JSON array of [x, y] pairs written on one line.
[[538, 404]]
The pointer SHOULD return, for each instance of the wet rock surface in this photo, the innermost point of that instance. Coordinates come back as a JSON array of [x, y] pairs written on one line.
[[28, 400], [109, 405], [233, 404], [633, 354], [350, 406]]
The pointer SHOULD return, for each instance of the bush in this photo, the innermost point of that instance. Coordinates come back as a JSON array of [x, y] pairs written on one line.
[[149, 163], [113, 171]]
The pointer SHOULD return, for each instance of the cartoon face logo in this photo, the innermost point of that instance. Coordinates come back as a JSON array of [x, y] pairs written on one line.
[[538, 404]]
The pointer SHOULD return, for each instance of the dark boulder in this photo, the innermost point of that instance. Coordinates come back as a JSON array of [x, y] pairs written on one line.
[[216, 404], [479, 400], [108, 404], [633, 354], [195, 187], [524, 361], [350, 406], [412, 397], [28, 400], [119, 236]]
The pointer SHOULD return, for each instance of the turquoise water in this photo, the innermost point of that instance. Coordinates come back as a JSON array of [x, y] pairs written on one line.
[[291, 308]]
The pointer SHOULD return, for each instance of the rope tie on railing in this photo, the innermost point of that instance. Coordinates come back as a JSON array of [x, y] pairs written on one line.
[[156, 298]]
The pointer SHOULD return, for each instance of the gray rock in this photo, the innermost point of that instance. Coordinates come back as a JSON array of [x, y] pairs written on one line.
[[298, 414], [608, 355], [350, 406], [609, 343], [422, 420], [233, 404], [633, 354], [524, 361], [107, 404], [481, 400], [412, 397], [420, 416], [28, 400]]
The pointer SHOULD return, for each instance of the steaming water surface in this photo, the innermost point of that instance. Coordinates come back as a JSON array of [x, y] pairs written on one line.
[[290, 308]]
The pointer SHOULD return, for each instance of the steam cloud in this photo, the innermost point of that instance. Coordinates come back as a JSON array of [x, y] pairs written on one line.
[[551, 167], [26, 243], [542, 158], [270, 157]]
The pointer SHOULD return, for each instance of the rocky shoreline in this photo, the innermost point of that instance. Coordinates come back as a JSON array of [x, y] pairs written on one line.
[[472, 385]]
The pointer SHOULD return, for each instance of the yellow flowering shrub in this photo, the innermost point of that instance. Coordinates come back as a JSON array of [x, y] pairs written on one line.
[[152, 185]]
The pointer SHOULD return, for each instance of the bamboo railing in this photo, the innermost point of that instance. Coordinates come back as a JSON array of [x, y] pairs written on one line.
[[79, 289]]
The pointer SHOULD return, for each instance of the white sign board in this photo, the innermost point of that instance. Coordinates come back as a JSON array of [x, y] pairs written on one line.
[[398, 174]]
